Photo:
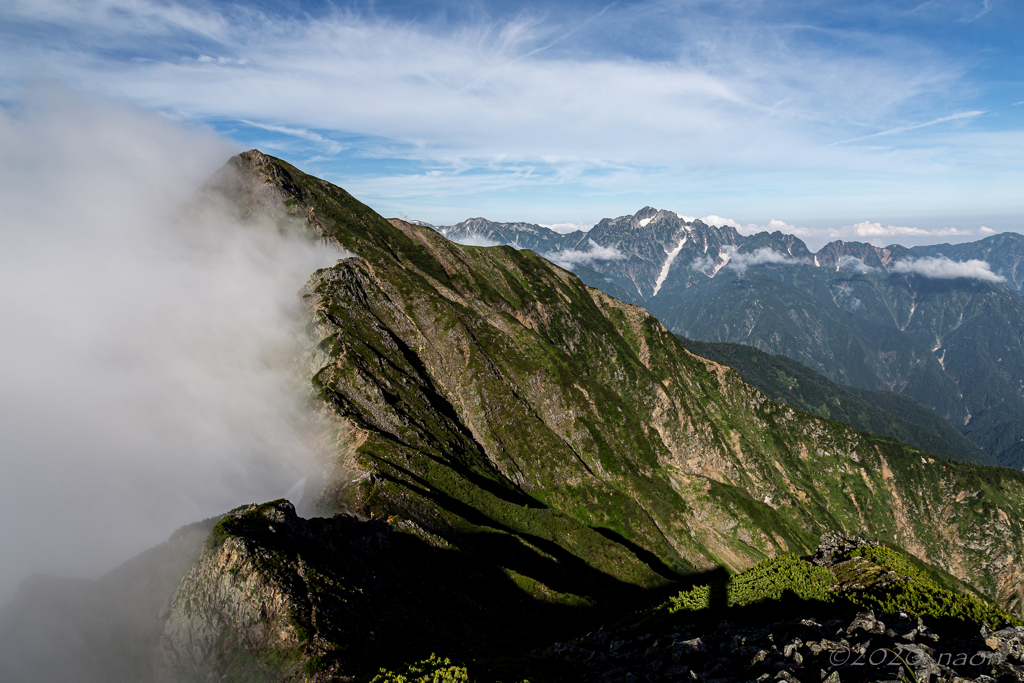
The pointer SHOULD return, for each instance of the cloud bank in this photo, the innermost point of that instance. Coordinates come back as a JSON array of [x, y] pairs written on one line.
[[729, 257], [474, 241], [570, 258], [869, 229], [763, 256], [943, 268], [854, 264], [146, 349]]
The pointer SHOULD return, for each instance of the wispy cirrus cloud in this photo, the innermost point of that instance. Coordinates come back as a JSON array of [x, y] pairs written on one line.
[[329, 146], [901, 129], [412, 109]]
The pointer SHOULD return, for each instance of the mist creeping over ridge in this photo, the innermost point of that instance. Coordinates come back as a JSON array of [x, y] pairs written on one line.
[[146, 340]]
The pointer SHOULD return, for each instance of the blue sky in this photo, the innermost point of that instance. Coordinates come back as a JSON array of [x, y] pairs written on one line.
[[889, 122]]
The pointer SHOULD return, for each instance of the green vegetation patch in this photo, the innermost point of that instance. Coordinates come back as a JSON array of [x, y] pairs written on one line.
[[430, 670], [919, 595], [873, 577], [772, 579]]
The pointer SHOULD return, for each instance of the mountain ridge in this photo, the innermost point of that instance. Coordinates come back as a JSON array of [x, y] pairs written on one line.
[[501, 443], [912, 321]]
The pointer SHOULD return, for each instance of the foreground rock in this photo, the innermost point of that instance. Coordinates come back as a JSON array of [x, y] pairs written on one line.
[[806, 650], [279, 598]]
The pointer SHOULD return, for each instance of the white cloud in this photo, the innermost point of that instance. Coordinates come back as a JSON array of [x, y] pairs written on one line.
[[730, 257], [686, 219], [869, 229], [474, 241], [329, 146], [765, 255], [719, 221], [986, 230], [788, 229], [750, 228], [901, 129], [502, 105], [946, 269], [569, 258], [705, 264], [565, 228], [145, 376], [854, 264], [492, 90]]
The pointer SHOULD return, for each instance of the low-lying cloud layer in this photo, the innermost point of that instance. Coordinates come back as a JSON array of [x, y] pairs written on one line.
[[474, 241], [943, 268], [146, 349], [765, 255], [570, 258], [732, 259], [854, 264]]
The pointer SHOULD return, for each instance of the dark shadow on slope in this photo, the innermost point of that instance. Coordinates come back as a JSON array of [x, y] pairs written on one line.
[[642, 554], [387, 594], [547, 562]]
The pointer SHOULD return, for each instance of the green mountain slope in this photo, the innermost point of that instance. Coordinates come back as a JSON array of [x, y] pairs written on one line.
[[860, 315], [878, 412], [494, 401]]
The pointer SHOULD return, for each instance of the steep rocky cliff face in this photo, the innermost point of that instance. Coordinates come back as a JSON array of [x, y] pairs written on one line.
[[565, 438], [275, 597]]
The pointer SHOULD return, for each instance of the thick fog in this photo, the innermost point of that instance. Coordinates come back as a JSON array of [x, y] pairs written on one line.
[[144, 349]]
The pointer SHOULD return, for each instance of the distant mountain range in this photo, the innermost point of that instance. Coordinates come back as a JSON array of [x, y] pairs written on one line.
[[942, 324]]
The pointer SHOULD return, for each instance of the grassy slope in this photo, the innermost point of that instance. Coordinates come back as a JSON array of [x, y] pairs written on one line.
[[878, 412], [497, 399]]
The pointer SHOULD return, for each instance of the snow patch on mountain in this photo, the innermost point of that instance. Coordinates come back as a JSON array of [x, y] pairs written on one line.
[[644, 221], [668, 264]]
